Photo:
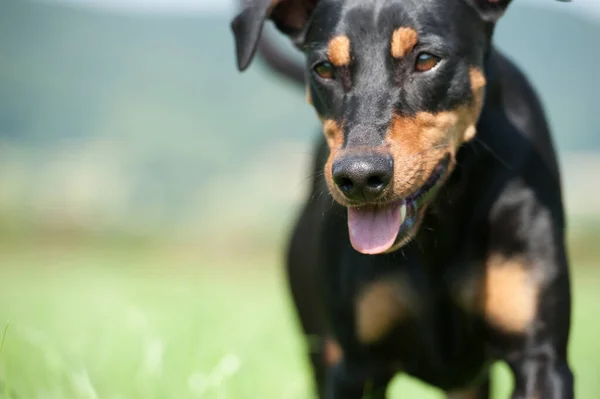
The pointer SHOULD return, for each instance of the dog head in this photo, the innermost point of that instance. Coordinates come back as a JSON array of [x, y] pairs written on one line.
[[399, 87]]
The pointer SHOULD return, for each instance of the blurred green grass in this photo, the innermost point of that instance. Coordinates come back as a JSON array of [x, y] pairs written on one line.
[[91, 323]]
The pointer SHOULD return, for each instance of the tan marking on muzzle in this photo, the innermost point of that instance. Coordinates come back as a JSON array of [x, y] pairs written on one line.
[[419, 143], [511, 295], [335, 140], [338, 51], [380, 307], [309, 99], [333, 134], [404, 39]]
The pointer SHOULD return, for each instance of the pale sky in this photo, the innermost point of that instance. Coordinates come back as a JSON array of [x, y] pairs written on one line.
[[158, 5], [228, 5]]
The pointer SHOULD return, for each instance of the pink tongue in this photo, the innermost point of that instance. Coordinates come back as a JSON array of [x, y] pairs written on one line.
[[373, 230]]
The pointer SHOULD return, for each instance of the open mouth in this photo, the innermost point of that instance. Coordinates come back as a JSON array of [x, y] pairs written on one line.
[[374, 229]]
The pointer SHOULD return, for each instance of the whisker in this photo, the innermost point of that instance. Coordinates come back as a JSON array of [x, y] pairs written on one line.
[[435, 147], [491, 151]]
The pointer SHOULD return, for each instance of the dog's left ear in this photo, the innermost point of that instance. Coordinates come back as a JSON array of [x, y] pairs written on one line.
[[492, 10], [289, 16]]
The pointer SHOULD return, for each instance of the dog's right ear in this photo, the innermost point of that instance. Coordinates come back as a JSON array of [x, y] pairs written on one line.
[[492, 10], [289, 16]]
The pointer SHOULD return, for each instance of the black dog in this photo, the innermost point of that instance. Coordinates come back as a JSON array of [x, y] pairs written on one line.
[[433, 239]]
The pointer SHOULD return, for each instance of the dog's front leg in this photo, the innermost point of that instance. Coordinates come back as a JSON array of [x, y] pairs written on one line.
[[527, 290], [538, 355], [532, 324], [347, 381], [542, 376]]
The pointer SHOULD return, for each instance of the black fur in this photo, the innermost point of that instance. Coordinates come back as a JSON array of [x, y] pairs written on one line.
[[503, 197]]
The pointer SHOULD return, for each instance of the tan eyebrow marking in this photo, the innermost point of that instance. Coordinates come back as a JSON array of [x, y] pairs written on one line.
[[404, 39], [338, 51]]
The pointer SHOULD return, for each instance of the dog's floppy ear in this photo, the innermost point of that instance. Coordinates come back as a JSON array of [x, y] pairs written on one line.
[[492, 10], [289, 16]]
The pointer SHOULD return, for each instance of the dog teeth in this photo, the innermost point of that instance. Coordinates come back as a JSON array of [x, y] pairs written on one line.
[[402, 212]]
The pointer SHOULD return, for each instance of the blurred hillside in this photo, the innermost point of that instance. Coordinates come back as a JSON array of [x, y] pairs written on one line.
[[115, 122], [555, 49]]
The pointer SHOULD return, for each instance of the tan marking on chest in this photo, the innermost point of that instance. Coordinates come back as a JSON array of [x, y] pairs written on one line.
[[332, 352], [403, 41], [338, 51], [510, 294], [380, 307]]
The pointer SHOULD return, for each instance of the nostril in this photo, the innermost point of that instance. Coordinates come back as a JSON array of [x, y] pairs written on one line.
[[375, 182], [345, 184]]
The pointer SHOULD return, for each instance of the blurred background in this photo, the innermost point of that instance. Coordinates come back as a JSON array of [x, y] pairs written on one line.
[[147, 190]]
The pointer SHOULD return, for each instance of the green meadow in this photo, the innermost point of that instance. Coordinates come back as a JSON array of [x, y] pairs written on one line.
[[117, 322]]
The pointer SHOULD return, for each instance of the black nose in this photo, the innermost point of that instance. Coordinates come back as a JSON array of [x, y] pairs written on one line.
[[363, 177]]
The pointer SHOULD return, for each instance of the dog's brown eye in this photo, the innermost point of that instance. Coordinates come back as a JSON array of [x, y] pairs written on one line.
[[325, 70], [426, 62]]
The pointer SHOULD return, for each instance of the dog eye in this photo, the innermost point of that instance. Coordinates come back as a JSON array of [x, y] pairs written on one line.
[[426, 62], [325, 70]]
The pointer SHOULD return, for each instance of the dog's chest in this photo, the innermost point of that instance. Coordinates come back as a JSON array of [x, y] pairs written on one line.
[[401, 302], [426, 328], [384, 304]]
